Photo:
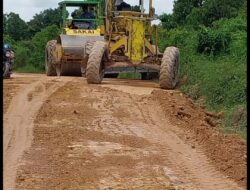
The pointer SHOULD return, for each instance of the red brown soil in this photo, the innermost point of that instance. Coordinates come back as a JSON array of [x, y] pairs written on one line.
[[11, 87], [123, 134], [226, 151]]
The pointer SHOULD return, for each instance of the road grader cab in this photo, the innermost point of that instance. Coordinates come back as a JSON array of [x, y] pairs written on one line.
[[127, 41], [82, 24]]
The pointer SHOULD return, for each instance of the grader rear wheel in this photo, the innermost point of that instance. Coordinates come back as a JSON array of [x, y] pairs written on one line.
[[49, 60], [169, 72], [95, 67]]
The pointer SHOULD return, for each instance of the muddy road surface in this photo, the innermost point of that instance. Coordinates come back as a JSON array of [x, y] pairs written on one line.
[[61, 133]]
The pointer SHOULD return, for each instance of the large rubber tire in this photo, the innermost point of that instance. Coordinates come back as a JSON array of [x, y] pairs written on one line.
[[6, 70], [170, 68], [49, 61], [95, 67]]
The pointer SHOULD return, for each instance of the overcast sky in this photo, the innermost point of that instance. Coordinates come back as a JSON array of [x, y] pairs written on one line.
[[28, 8]]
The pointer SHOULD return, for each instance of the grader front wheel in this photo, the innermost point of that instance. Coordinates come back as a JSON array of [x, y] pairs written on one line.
[[49, 60], [169, 72], [95, 67]]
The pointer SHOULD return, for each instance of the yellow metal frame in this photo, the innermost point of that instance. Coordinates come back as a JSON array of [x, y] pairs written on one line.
[[131, 32], [132, 38], [122, 42], [136, 50]]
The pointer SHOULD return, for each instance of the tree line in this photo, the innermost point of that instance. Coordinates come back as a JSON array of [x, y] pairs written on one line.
[[29, 38]]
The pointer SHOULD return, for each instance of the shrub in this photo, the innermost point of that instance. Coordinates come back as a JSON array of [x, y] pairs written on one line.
[[39, 42], [213, 42]]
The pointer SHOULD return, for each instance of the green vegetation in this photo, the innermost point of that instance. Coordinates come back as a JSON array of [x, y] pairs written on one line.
[[211, 36], [213, 49], [29, 39]]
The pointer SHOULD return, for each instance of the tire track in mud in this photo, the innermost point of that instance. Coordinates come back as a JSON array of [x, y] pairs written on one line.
[[198, 170], [18, 123], [102, 137], [199, 173]]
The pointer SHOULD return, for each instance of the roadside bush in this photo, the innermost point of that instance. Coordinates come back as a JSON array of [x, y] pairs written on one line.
[[9, 40], [22, 54], [184, 38], [212, 42], [39, 42], [237, 27]]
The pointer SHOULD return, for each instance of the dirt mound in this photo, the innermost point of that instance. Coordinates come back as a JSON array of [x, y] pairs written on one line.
[[226, 151]]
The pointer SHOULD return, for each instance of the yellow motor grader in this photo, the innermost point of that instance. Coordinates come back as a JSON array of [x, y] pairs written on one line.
[[119, 40]]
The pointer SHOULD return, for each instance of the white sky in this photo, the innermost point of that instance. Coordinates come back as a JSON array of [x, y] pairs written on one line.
[[28, 8]]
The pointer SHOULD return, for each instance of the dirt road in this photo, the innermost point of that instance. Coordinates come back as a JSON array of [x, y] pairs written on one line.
[[60, 133]]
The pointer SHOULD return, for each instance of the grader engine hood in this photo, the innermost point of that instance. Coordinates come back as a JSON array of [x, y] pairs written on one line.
[[75, 48]]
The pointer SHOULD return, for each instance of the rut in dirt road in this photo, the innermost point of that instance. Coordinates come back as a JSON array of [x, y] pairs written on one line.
[[111, 137], [18, 122]]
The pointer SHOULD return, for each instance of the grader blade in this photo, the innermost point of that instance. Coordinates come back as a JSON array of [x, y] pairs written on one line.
[[76, 47], [74, 52]]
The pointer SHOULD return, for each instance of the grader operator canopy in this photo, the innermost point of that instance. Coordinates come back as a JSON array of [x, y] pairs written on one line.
[[81, 14]]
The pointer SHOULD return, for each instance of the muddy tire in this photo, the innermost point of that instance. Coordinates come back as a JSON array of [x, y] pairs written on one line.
[[170, 68], [95, 67], [49, 60]]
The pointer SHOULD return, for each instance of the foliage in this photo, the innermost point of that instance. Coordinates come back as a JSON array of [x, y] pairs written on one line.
[[215, 10], [167, 21], [196, 17], [43, 19], [22, 53], [212, 42], [29, 54], [204, 12], [15, 27], [213, 47], [39, 42], [181, 37], [182, 8], [9, 40], [4, 24]]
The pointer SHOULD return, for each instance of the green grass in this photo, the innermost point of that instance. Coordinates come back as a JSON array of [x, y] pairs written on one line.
[[216, 81], [235, 121], [241, 131], [219, 84]]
